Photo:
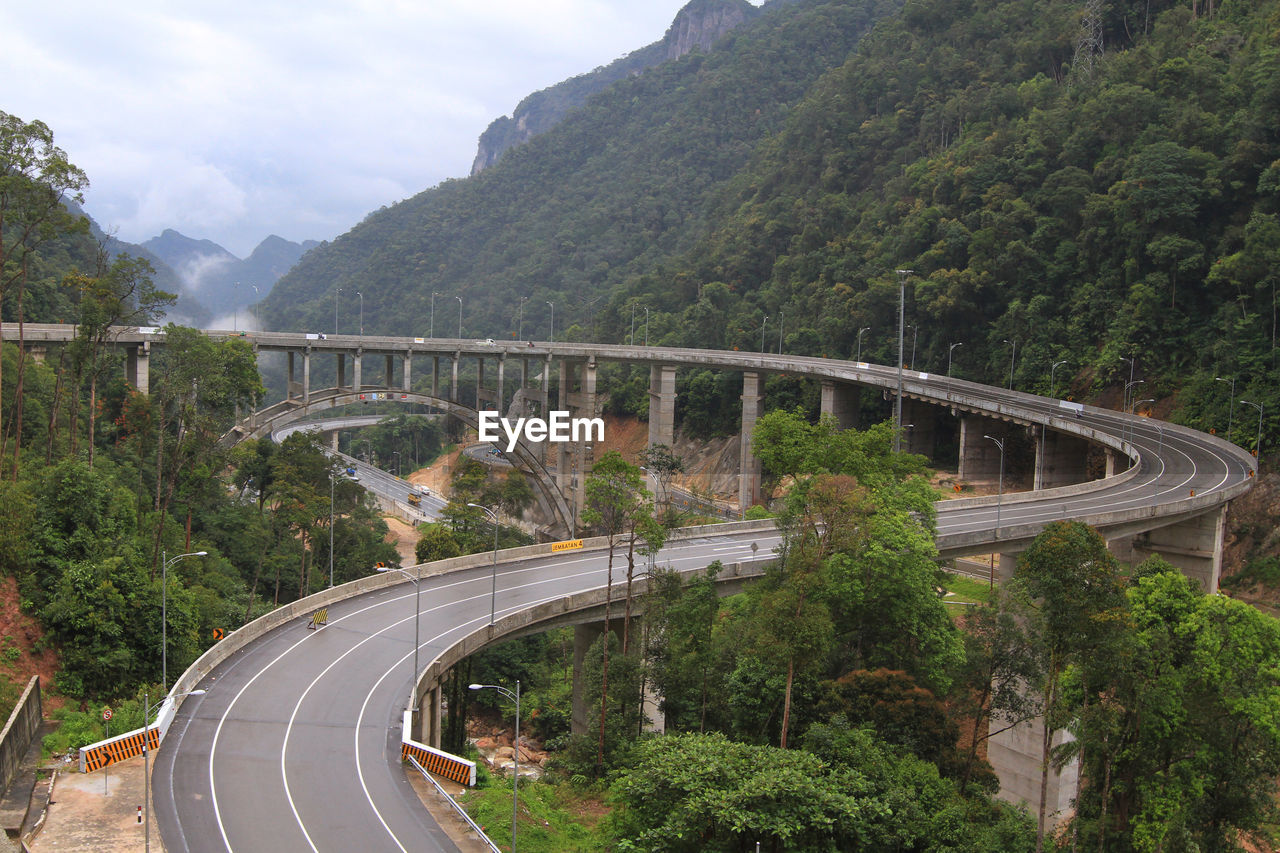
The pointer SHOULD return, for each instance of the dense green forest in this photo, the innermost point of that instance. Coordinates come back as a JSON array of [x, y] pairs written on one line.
[[1115, 211], [766, 190]]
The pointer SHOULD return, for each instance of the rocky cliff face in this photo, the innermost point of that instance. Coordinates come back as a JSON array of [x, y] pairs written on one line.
[[700, 24], [696, 27]]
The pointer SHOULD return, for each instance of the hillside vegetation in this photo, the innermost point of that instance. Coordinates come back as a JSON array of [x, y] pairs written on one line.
[[1126, 209]]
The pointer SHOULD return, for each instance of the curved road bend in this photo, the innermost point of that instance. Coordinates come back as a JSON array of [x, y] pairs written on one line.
[[295, 746]]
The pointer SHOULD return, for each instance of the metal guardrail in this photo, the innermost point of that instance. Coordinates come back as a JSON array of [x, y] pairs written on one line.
[[459, 809]]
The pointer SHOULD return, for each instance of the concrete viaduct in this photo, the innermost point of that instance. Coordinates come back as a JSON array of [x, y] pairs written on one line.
[[1149, 487]]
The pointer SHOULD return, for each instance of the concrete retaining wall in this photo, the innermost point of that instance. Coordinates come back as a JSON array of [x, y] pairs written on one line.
[[20, 731]]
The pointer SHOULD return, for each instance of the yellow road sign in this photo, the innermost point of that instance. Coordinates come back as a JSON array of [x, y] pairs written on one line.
[[567, 545]]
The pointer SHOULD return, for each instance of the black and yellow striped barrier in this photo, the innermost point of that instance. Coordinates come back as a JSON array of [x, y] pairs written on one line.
[[319, 618], [99, 755], [440, 763]]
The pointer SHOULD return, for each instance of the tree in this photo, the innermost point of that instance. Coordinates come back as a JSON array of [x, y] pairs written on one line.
[[663, 465], [1180, 740], [620, 507], [121, 295], [1072, 583], [36, 181]]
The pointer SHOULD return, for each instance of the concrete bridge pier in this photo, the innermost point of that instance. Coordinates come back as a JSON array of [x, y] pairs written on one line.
[[584, 636], [662, 410], [1016, 753], [919, 427], [578, 397], [137, 368], [979, 456], [341, 372], [841, 401], [357, 359], [748, 463], [1061, 459], [1192, 545]]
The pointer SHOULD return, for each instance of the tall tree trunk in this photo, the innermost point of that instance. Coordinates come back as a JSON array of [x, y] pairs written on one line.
[[93, 413], [786, 701], [57, 403], [626, 619], [604, 669], [1046, 743], [18, 395]]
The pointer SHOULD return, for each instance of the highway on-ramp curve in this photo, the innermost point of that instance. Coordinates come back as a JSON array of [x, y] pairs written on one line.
[[295, 744]]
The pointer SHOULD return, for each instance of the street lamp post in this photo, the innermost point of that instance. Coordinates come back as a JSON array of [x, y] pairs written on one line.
[[763, 324], [146, 758], [336, 294], [235, 307], [1257, 448], [1013, 357], [417, 610], [646, 325], [1000, 485], [1231, 410], [951, 349], [257, 297], [897, 401], [431, 330], [915, 336], [164, 611], [520, 322], [459, 298], [553, 322], [361, 295], [1053, 386], [515, 754], [782, 317], [493, 595], [860, 331]]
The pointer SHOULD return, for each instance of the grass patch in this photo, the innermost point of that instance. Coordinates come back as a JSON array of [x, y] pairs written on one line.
[[552, 817], [966, 590]]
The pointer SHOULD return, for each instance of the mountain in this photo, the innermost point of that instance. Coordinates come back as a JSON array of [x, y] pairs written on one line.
[[1079, 199], [619, 183], [220, 280], [697, 27]]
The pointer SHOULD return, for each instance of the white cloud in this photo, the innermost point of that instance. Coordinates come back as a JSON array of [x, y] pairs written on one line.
[[234, 120]]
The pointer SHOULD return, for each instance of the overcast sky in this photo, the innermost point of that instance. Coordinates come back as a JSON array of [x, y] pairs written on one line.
[[236, 119]]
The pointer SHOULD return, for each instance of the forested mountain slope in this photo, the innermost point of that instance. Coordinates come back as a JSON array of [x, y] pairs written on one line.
[[1125, 210], [619, 186]]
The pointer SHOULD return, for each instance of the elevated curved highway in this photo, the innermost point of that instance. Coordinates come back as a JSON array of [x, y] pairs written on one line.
[[295, 745]]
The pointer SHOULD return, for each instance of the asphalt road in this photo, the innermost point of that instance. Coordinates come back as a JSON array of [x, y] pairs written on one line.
[[296, 744]]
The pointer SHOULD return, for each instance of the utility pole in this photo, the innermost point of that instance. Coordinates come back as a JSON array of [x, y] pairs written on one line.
[[897, 403]]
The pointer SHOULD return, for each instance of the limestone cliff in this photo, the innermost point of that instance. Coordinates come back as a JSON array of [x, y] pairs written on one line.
[[697, 26]]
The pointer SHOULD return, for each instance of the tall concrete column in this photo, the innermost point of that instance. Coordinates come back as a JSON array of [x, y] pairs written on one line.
[[841, 400], [482, 393], [662, 405], [580, 704], [919, 427], [389, 369], [1192, 545], [358, 361], [342, 370], [1061, 459], [1015, 754], [291, 384], [980, 457], [499, 396], [748, 463], [453, 392], [406, 368], [137, 368], [306, 376]]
